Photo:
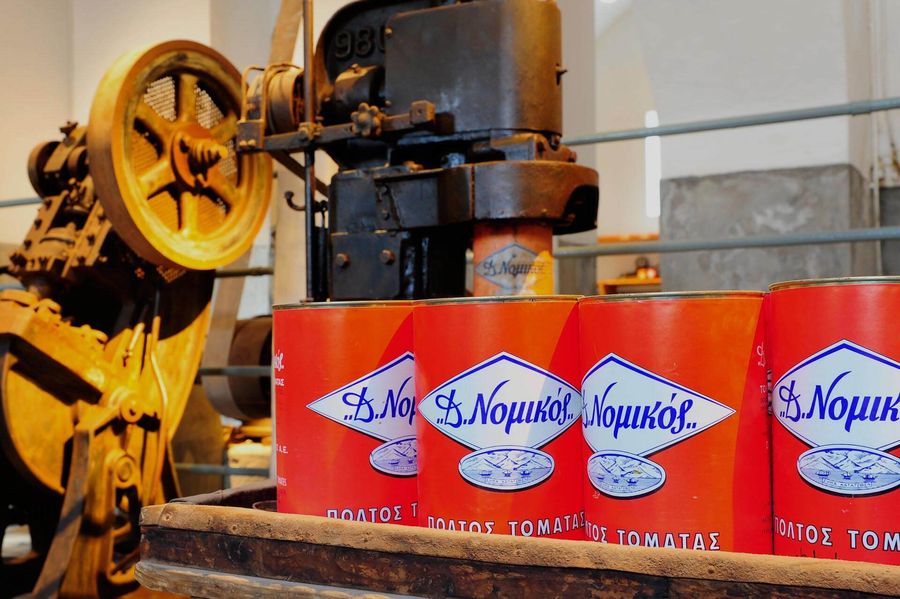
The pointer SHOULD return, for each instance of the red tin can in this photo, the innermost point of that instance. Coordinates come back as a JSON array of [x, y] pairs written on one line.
[[497, 380], [345, 410], [675, 421], [835, 359]]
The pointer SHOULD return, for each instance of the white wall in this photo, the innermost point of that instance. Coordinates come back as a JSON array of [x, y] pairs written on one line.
[[36, 96], [715, 58], [102, 30], [623, 96]]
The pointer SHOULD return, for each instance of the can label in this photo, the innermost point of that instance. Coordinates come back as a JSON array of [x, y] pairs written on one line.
[[505, 409], [517, 270], [380, 404], [630, 413], [844, 402]]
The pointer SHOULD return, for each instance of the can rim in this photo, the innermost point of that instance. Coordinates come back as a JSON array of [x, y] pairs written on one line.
[[497, 299], [344, 304], [674, 295], [833, 281]]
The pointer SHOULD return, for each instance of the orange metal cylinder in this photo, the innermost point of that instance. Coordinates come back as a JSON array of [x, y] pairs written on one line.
[[498, 452], [835, 359], [513, 258], [675, 421], [345, 405]]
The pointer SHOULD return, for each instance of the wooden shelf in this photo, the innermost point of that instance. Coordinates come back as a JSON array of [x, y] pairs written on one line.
[[209, 547]]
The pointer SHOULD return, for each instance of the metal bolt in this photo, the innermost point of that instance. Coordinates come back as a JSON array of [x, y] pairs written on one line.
[[124, 470], [342, 260], [387, 257]]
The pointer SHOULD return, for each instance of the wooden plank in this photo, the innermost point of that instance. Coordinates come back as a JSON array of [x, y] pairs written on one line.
[[430, 576], [330, 537], [203, 583]]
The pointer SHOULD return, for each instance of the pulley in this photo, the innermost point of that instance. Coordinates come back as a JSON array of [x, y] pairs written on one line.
[[162, 154]]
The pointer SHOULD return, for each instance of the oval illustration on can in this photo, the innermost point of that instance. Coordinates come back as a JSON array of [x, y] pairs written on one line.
[[849, 469], [506, 467], [397, 457], [623, 474]]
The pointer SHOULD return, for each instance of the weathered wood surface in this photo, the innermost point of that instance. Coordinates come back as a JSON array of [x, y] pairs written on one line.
[[414, 561]]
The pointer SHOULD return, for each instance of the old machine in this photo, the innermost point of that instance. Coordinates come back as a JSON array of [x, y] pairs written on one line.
[[99, 351], [444, 119]]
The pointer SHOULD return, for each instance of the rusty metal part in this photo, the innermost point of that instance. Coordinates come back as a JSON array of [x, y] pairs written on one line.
[[251, 345], [245, 398], [99, 352], [161, 142]]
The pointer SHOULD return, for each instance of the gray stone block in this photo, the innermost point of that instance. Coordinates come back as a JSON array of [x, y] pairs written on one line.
[[890, 217], [824, 198]]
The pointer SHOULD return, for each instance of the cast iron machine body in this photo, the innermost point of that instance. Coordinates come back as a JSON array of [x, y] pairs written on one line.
[[440, 115]]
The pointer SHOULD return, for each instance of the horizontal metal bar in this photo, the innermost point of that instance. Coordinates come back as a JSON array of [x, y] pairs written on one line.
[[249, 371], [731, 243], [20, 202], [219, 469], [255, 271], [769, 118]]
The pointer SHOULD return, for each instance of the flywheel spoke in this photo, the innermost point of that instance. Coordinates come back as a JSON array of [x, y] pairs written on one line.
[[222, 188], [156, 125], [157, 177], [186, 102], [189, 211], [226, 129]]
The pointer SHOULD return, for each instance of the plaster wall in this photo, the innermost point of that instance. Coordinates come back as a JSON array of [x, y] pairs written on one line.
[[35, 46]]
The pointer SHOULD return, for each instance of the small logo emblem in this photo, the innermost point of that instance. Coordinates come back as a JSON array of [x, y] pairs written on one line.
[[506, 468], [397, 457], [381, 404], [510, 267], [849, 470], [630, 412], [503, 405], [621, 474], [278, 360]]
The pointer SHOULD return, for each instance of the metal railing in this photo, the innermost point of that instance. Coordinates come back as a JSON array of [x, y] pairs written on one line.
[[753, 120], [221, 469], [20, 202], [248, 371], [756, 241]]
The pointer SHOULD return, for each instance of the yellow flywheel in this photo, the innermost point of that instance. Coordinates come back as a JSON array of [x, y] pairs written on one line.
[[162, 151]]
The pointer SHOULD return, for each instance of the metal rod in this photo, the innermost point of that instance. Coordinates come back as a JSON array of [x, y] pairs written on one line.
[[248, 371], [254, 271], [309, 116], [757, 241], [20, 202], [786, 116], [218, 469]]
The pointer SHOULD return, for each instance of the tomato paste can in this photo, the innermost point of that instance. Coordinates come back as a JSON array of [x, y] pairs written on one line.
[[344, 378], [835, 357], [675, 421], [498, 379]]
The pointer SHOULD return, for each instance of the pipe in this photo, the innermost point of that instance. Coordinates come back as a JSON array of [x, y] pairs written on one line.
[[309, 116], [218, 469], [254, 271], [249, 371], [20, 202], [786, 116], [757, 241]]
